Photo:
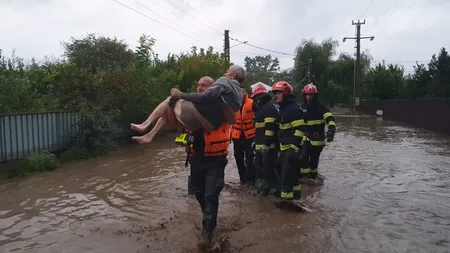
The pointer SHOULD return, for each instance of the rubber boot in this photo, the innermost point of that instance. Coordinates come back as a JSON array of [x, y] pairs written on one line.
[[205, 240], [190, 187]]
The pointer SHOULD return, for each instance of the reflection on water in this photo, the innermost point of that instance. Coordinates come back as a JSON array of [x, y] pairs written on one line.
[[386, 191]]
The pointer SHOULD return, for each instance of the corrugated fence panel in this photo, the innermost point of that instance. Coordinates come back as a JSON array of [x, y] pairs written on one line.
[[22, 135], [429, 113]]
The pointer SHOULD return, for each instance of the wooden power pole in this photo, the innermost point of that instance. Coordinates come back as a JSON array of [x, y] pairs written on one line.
[[358, 77], [226, 47]]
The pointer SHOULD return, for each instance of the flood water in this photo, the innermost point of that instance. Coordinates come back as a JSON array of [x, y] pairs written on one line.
[[387, 189]]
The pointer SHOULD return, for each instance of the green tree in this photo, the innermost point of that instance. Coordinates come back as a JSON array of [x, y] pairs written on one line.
[[98, 53], [439, 71], [384, 82], [261, 69]]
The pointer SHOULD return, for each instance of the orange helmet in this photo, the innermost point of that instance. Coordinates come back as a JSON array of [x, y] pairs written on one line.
[[258, 89], [283, 86], [310, 89]]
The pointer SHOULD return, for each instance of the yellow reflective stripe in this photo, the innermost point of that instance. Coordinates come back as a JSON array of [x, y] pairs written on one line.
[[260, 124], [269, 133], [269, 120], [332, 123], [288, 146], [318, 143], [299, 133], [326, 115], [305, 170], [315, 170], [303, 140], [258, 147], [315, 122], [295, 123], [287, 195], [297, 188]]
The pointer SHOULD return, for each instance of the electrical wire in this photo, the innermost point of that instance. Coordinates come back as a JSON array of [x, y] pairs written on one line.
[[213, 29], [130, 8], [257, 54], [171, 12], [192, 8], [265, 49]]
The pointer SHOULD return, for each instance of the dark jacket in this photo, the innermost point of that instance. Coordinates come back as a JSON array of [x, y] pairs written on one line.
[[266, 123], [316, 115], [291, 124]]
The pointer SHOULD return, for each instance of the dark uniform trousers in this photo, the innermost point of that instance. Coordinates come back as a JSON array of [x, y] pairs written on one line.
[[208, 182]]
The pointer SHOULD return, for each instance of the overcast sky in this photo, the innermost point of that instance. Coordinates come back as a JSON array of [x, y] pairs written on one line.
[[405, 30]]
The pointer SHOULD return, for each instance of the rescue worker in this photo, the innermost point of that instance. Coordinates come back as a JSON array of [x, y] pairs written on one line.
[[242, 134], [316, 115], [208, 163], [290, 137], [265, 142], [202, 84]]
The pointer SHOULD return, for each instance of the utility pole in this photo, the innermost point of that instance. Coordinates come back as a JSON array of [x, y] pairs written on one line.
[[358, 38], [226, 47], [309, 71]]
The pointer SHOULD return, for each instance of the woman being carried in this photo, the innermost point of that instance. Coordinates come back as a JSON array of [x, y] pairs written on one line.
[[208, 110]]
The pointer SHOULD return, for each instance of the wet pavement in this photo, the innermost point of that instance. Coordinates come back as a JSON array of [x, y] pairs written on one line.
[[386, 190]]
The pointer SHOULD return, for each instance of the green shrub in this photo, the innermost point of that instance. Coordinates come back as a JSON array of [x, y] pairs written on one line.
[[41, 161]]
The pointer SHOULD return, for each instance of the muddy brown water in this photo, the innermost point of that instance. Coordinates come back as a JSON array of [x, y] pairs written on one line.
[[386, 190]]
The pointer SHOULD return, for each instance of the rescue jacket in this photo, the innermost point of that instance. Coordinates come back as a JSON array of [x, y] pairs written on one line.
[[290, 117], [266, 124], [244, 121], [210, 144], [316, 115]]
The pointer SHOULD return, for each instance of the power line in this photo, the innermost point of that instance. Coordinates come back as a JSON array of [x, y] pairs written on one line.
[[192, 8], [257, 54], [128, 7], [213, 29], [398, 61], [145, 7], [367, 9], [171, 12], [265, 49]]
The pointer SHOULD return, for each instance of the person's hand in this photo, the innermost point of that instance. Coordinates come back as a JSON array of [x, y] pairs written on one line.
[[330, 135], [174, 92]]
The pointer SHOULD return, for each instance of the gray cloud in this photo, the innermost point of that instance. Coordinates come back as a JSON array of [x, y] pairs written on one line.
[[405, 31]]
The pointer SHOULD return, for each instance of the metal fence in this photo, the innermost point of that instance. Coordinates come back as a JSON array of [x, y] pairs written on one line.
[[24, 134], [426, 113]]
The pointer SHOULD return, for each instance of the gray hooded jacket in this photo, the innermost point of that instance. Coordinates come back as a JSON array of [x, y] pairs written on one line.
[[223, 90]]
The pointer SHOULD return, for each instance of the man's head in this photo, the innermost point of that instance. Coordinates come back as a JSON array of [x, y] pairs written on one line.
[[236, 72], [282, 89], [204, 83]]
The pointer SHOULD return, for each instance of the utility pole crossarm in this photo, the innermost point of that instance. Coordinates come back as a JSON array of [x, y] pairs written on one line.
[[357, 79]]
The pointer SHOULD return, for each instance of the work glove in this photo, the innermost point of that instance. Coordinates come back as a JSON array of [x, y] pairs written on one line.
[[330, 135]]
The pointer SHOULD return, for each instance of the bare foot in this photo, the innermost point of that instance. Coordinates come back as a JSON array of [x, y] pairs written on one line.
[[146, 139], [138, 127]]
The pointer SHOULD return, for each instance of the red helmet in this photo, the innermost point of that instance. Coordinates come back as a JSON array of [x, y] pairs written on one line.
[[258, 89], [310, 89], [283, 86]]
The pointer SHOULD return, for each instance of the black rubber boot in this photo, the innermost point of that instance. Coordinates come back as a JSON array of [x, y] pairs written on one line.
[[297, 195], [190, 187]]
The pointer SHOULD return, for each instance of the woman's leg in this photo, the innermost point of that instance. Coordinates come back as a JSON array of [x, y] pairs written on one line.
[[159, 111]]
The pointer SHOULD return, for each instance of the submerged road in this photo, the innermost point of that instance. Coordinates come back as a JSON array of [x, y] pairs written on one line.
[[387, 189]]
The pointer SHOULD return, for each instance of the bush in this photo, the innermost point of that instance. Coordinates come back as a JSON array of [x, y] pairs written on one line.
[[41, 161]]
